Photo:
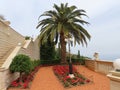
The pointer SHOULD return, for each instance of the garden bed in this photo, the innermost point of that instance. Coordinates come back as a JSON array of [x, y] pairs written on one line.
[[62, 73], [26, 81]]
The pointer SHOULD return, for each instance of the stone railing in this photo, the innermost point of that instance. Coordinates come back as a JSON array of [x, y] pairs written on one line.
[[104, 66], [10, 57], [99, 66]]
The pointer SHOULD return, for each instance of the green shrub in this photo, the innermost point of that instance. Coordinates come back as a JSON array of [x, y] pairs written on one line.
[[66, 84], [27, 37], [76, 60], [35, 63], [22, 64], [43, 62], [47, 50]]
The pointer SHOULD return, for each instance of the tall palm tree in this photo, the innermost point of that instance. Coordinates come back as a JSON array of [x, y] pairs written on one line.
[[60, 22]]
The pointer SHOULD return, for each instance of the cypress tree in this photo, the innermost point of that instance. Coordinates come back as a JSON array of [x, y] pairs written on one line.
[[47, 51]]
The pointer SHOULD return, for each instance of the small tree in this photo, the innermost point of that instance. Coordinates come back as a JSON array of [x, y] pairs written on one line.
[[22, 64], [47, 50]]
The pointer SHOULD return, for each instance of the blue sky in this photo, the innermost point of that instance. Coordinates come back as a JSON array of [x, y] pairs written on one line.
[[104, 19]]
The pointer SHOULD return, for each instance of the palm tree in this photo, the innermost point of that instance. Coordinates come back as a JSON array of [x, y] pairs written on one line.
[[62, 21]]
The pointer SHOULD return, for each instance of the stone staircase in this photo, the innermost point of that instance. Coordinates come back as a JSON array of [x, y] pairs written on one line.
[[4, 54]]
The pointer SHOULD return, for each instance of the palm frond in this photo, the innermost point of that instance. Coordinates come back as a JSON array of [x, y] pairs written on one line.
[[66, 19]]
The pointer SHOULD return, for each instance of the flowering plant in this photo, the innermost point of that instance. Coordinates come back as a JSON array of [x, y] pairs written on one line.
[[62, 72], [26, 79]]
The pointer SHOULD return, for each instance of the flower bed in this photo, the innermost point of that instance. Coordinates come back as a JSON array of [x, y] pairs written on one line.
[[62, 72], [26, 80]]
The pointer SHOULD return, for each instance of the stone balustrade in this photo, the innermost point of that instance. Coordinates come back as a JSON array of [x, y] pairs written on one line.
[[99, 66]]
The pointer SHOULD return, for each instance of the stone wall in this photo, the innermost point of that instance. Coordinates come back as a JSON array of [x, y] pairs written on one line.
[[90, 64], [14, 43], [104, 66], [6, 77], [99, 66], [31, 49], [9, 38]]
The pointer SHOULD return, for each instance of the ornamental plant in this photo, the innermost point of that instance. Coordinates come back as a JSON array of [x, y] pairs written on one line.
[[47, 50], [22, 64], [60, 22], [26, 79], [62, 72]]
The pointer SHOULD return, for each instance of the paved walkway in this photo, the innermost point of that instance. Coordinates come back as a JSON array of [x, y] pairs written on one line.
[[46, 80]]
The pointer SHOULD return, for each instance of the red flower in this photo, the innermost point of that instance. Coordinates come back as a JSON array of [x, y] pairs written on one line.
[[14, 84], [67, 77], [81, 80], [62, 73], [87, 80], [25, 85], [75, 80]]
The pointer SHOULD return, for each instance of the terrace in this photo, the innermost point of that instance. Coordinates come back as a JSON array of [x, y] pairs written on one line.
[[96, 71]]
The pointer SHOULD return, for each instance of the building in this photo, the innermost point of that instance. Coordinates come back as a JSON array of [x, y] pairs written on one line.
[[11, 44]]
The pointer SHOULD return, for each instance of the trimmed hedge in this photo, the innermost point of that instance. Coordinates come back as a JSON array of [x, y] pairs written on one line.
[[80, 60], [49, 62]]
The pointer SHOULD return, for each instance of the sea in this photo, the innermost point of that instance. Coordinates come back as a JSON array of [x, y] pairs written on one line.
[[109, 57]]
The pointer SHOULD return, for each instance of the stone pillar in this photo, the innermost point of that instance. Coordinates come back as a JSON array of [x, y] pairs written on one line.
[[96, 56]]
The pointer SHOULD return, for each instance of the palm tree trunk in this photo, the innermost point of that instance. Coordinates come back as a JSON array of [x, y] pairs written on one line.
[[63, 48]]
